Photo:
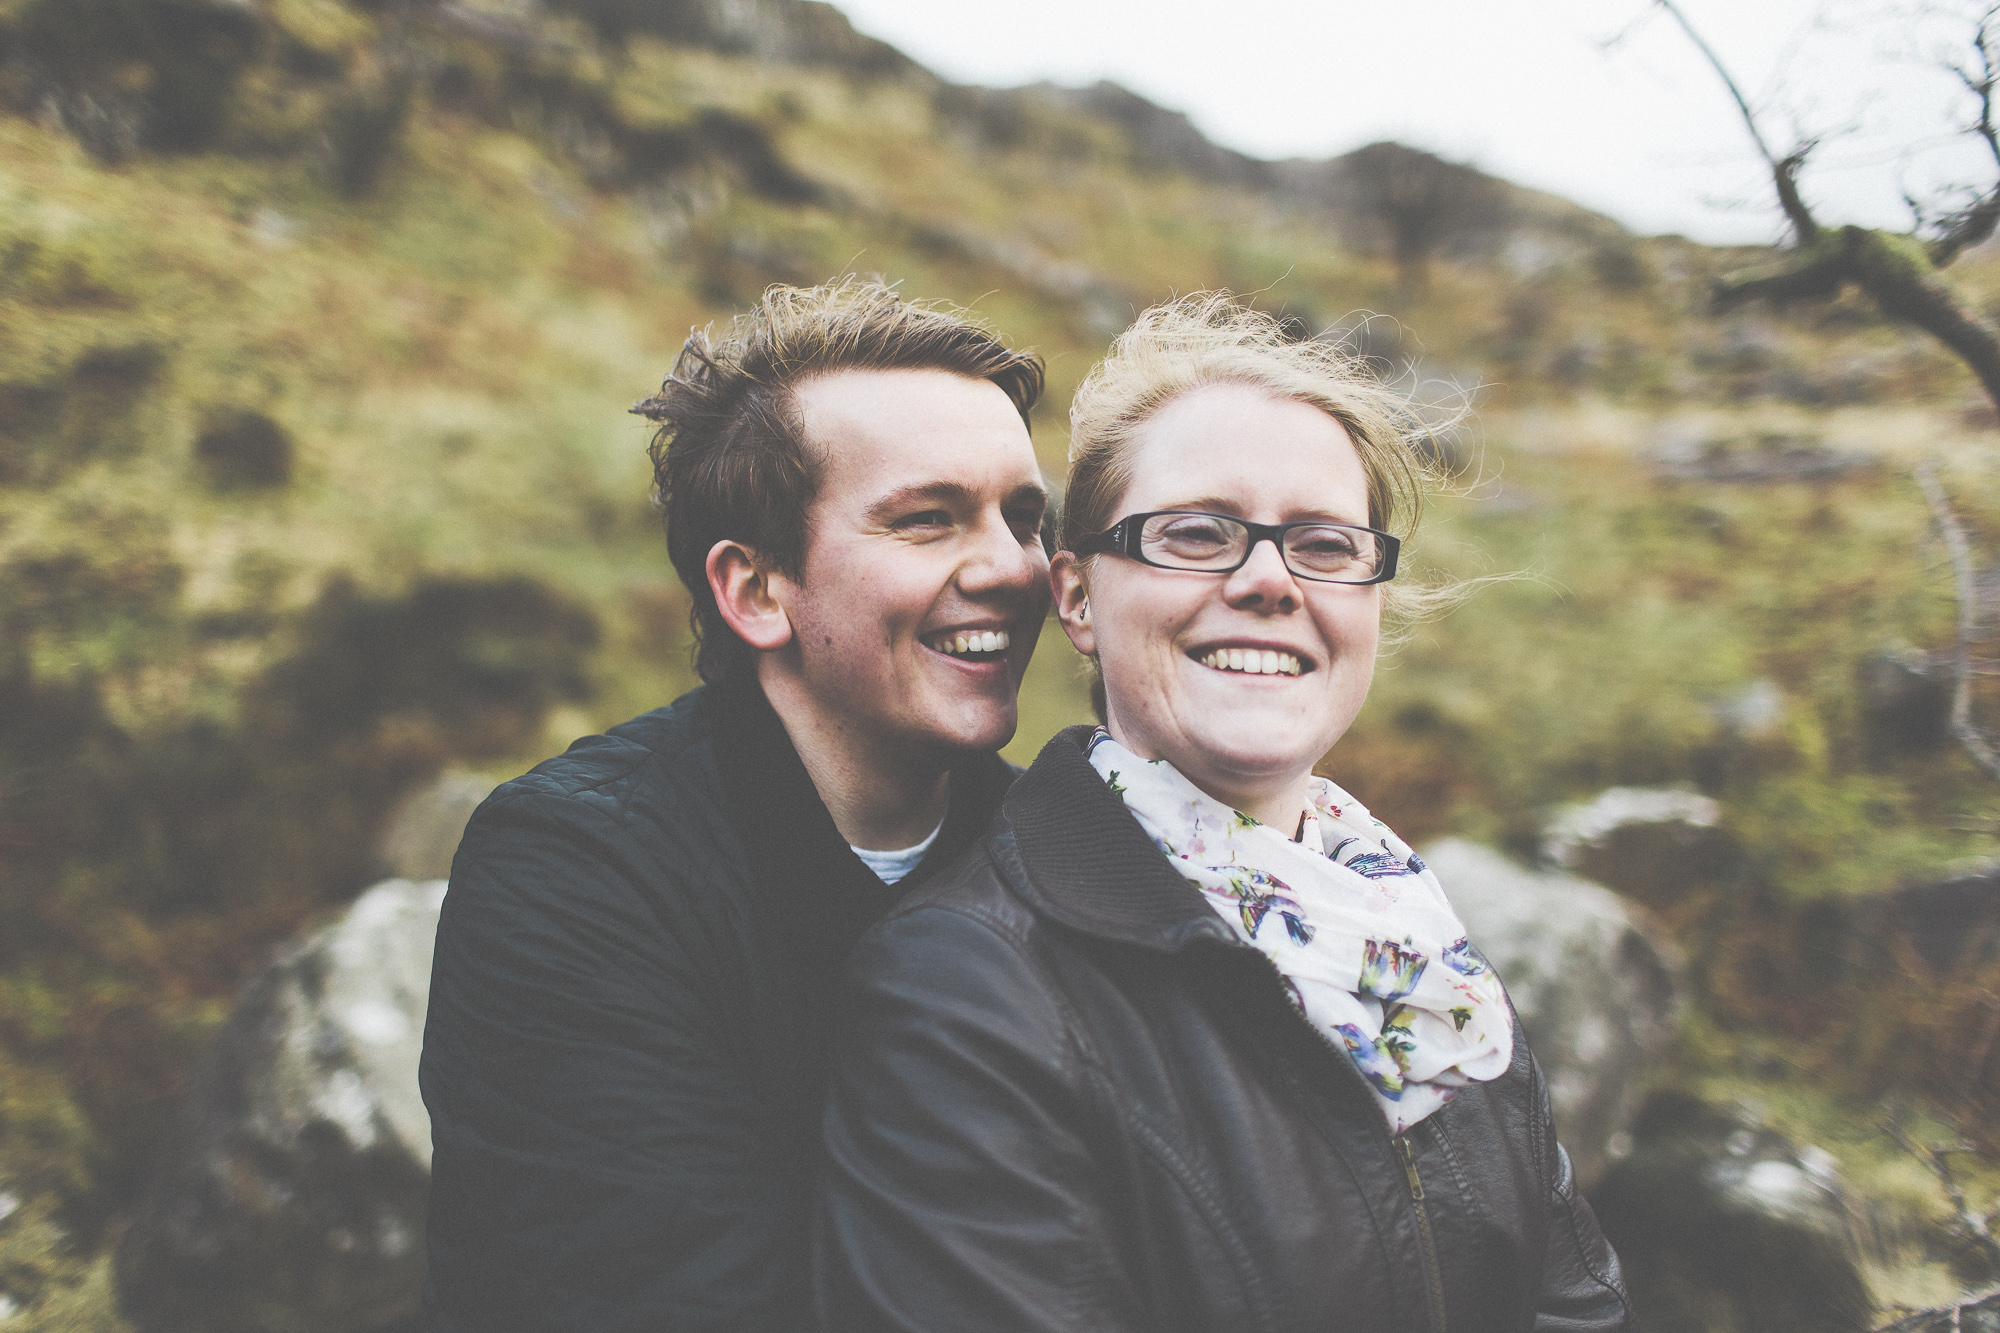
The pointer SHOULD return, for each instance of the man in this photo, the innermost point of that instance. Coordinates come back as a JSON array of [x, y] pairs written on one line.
[[641, 948]]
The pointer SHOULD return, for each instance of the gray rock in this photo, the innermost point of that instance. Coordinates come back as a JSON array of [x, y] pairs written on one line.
[[1595, 990], [1906, 701], [1723, 1222], [1655, 845], [291, 1186], [1575, 828]]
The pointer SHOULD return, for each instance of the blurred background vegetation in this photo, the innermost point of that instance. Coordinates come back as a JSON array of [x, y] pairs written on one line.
[[318, 324]]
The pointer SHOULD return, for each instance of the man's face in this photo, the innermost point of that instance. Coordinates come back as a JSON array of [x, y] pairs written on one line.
[[922, 558]]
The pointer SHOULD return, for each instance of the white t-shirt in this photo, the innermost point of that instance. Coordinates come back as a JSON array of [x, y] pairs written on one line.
[[892, 866]]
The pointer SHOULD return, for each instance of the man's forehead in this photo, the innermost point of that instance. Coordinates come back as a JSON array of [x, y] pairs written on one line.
[[885, 431], [870, 398]]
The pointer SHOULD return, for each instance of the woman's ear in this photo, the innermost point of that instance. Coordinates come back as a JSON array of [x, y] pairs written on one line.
[[746, 595], [1068, 580]]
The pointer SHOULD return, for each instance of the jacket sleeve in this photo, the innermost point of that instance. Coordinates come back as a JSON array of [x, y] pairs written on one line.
[[1582, 1290], [600, 1158], [958, 1191]]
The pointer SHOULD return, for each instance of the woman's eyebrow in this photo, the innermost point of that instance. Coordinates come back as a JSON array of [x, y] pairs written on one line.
[[1212, 504], [1215, 504]]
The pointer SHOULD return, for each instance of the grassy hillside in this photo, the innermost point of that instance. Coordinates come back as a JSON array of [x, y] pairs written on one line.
[[318, 323]]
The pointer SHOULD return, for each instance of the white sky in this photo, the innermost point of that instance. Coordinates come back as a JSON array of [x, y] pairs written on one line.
[[1525, 89]]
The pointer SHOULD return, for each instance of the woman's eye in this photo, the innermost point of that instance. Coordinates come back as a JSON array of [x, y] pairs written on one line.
[[1195, 534], [1325, 544]]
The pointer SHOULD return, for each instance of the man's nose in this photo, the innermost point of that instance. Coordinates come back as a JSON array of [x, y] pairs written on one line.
[[1001, 562], [1263, 582]]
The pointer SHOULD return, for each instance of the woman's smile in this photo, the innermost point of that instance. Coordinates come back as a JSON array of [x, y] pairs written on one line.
[[1251, 660]]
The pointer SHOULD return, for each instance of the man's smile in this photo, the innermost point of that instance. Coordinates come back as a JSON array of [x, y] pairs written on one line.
[[970, 645]]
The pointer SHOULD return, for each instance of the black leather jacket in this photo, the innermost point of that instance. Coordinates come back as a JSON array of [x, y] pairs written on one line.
[[625, 1057], [1068, 1098]]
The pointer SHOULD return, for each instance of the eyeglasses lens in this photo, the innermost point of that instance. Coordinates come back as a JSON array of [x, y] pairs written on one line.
[[1327, 552]]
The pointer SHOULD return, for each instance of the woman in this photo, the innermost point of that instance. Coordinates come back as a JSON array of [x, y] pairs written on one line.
[[1194, 1042]]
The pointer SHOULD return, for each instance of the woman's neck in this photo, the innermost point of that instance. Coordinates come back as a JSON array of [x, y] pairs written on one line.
[[1279, 802]]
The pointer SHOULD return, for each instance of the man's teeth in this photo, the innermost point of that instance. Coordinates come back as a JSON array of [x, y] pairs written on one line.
[[1252, 661], [977, 641]]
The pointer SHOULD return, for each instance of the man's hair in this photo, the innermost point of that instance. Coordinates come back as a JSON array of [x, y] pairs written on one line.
[[730, 460]]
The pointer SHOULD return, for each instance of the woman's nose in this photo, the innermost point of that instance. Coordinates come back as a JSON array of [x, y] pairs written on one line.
[[1263, 582]]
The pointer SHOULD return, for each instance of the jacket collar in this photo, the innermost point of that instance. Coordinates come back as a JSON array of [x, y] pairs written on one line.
[[795, 849], [1077, 855]]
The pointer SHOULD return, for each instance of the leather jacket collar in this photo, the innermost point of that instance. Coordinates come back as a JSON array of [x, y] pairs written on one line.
[[1080, 859]]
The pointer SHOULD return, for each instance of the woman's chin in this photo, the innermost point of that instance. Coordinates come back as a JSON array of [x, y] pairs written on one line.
[[1248, 753]]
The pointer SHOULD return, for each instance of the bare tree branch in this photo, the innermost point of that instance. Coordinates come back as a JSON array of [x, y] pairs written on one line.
[[1975, 742], [1784, 170], [1816, 278], [1896, 273], [1976, 222]]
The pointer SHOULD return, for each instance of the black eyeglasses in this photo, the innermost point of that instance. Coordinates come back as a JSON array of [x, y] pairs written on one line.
[[1217, 544]]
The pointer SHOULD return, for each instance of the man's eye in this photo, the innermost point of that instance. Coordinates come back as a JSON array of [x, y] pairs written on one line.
[[929, 518], [1027, 522]]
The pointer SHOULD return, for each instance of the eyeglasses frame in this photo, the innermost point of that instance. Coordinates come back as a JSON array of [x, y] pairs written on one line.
[[1122, 538]]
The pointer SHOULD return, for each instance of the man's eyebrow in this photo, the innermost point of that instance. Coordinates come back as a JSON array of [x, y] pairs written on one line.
[[945, 493], [930, 492]]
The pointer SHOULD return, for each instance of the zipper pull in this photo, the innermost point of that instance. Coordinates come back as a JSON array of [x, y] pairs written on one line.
[[1409, 1162]]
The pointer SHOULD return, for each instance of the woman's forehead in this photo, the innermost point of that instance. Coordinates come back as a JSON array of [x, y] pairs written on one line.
[[1244, 445]]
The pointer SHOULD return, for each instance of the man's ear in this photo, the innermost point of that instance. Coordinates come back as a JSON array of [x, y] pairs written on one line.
[[1072, 594], [745, 595]]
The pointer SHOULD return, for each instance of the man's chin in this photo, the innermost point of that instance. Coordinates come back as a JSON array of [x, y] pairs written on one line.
[[975, 731]]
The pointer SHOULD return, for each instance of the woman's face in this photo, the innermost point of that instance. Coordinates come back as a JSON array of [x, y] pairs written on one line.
[[1250, 739]]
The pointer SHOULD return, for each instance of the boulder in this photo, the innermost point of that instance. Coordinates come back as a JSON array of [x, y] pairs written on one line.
[[1724, 1223], [1652, 844], [290, 1190], [1905, 702], [1594, 988]]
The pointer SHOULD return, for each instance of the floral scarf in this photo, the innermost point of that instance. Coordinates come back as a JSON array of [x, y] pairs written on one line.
[[1353, 920]]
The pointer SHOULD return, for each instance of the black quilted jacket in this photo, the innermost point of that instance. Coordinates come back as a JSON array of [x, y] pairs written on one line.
[[1068, 1098], [624, 1061]]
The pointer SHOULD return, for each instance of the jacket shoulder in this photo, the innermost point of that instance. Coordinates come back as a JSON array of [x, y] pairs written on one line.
[[649, 769], [617, 762], [622, 822]]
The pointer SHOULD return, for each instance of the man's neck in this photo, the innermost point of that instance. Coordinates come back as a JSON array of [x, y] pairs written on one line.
[[880, 798]]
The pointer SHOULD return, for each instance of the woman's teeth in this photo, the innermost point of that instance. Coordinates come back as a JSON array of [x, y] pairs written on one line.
[[1252, 661], [978, 641]]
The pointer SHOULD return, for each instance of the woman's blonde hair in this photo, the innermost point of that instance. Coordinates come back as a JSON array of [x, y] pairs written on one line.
[[1212, 338]]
